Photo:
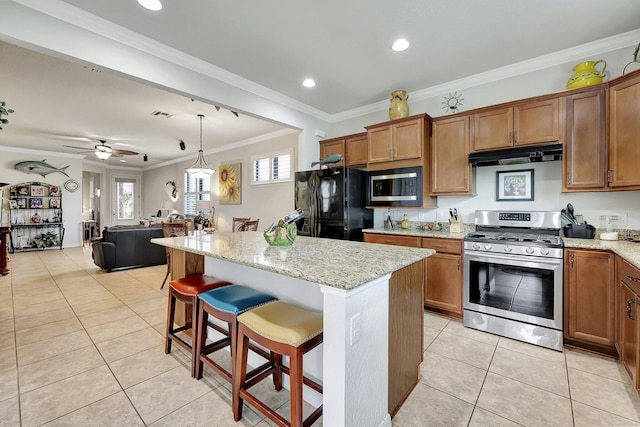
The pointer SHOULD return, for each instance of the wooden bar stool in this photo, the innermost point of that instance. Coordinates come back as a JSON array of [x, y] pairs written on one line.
[[187, 290], [285, 330], [225, 304]]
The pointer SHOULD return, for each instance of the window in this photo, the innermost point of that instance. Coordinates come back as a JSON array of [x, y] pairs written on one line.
[[269, 168], [195, 189], [125, 192]]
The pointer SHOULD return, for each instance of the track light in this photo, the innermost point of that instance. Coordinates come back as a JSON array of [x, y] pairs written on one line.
[[146, 159], [235, 114], [182, 145], [217, 108]]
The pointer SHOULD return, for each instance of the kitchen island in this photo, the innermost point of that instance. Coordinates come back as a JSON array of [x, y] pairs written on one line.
[[371, 299]]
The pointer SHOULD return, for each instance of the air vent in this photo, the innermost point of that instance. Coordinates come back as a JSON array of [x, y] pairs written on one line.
[[159, 113]]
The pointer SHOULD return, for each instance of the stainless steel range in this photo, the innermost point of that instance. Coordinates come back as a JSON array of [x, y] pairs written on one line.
[[513, 283]]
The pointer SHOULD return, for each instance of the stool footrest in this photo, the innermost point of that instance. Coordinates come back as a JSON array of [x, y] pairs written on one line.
[[215, 346], [273, 415], [180, 329], [305, 380]]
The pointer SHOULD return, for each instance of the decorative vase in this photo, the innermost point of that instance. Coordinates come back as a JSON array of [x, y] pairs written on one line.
[[585, 74], [399, 107]]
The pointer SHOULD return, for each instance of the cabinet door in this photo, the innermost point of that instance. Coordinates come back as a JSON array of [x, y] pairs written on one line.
[[585, 160], [628, 313], [624, 128], [589, 298], [450, 167], [408, 139], [356, 150], [537, 122], [333, 147], [443, 285], [380, 144], [492, 129]]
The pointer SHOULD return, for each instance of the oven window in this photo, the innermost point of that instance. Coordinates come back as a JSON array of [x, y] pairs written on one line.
[[517, 289]]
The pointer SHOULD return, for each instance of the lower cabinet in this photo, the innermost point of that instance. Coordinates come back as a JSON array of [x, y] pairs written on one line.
[[443, 275], [627, 300], [390, 239], [589, 300]]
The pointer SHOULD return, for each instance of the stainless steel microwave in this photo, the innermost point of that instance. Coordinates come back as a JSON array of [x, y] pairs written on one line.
[[396, 187]]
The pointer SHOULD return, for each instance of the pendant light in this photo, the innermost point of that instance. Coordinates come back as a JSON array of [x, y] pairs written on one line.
[[200, 169]]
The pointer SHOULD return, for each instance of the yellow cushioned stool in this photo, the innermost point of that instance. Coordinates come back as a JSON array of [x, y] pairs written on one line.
[[285, 330]]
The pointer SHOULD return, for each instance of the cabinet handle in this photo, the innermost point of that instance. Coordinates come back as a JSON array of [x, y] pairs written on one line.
[[515, 136], [440, 246], [458, 264], [571, 259], [633, 279], [609, 175], [569, 177], [510, 137], [629, 302]]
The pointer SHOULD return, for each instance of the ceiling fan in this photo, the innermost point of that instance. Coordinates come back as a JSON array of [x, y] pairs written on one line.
[[103, 151]]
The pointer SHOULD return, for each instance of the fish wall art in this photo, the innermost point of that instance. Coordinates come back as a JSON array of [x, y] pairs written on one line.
[[41, 168]]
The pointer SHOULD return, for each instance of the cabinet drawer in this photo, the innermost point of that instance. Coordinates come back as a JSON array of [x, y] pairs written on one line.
[[449, 246], [630, 276], [387, 239]]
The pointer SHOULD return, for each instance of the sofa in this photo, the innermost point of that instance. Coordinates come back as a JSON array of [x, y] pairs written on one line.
[[124, 247]]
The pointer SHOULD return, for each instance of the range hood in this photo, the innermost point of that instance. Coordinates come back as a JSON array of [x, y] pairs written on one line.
[[516, 156]]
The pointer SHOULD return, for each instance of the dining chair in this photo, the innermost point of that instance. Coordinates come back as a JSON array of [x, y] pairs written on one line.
[[238, 223]]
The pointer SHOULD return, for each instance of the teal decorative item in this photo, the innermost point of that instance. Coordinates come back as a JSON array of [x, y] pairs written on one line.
[[281, 236], [330, 159]]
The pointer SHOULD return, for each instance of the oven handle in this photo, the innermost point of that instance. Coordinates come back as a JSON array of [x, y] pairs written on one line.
[[483, 256]]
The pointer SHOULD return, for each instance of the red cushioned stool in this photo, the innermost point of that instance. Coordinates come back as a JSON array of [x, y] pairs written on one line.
[[187, 290]]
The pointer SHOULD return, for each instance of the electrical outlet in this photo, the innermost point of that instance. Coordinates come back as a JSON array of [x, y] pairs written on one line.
[[441, 215], [356, 328]]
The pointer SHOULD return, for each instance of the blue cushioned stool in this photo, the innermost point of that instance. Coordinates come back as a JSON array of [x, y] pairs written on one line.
[[225, 304]]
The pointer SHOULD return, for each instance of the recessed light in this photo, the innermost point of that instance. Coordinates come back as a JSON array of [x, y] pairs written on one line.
[[154, 5], [400, 45], [123, 160], [308, 83]]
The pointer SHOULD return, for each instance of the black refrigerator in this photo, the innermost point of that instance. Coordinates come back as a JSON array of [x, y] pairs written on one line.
[[334, 202]]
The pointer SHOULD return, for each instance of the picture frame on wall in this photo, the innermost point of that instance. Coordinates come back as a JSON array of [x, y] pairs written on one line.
[[515, 185], [230, 184], [37, 190], [35, 203]]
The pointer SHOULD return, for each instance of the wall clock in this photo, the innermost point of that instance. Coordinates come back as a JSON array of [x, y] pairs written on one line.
[[71, 185], [452, 102]]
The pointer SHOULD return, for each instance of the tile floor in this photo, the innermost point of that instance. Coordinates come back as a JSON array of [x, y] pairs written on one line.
[[81, 347]]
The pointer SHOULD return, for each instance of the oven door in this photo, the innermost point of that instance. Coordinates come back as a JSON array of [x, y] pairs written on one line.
[[528, 289]]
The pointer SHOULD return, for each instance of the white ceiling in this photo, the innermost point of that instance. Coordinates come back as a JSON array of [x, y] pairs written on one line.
[[343, 45]]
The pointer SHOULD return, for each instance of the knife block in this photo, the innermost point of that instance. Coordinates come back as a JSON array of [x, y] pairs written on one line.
[[456, 226]]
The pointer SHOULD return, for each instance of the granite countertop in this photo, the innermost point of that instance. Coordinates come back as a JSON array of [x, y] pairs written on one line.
[[416, 232], [337, 263], [629, 251]]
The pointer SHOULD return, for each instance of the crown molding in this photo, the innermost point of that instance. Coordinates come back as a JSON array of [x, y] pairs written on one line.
[[78, 17], [41, 152]]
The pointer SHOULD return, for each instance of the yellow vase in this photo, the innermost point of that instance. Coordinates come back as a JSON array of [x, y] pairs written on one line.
[[586, 74], [399, 107]]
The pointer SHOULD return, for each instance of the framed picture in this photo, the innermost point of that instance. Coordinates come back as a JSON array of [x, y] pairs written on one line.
[[37, 190], [21, 203], [514, 185], [54, 190], [22, 191], [54, 203], [230, 184], [13, 204], [35, 202]]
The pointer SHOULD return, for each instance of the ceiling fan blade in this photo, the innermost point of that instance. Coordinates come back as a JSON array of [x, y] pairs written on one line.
[[115, 151], [79, 148]]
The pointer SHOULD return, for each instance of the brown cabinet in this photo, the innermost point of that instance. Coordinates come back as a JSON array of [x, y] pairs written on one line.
[[443, 275], [527, 123], [450, 167], [584, 160], [589, 300], [352, 148], [398, 140], [627, 300], [624, 128]]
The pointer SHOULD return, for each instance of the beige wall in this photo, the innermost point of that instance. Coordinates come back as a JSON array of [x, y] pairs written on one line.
[[267, 202]]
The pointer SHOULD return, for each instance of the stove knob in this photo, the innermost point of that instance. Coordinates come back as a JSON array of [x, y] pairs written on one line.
[[529, 250], [508, 248], [476, 246], [487, 246], [544, 251]]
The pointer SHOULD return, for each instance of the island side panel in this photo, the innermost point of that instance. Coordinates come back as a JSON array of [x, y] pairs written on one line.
[[406, 333]]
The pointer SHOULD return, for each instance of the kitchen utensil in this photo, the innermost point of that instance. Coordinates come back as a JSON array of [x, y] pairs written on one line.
[[455, 214], [570, 212]]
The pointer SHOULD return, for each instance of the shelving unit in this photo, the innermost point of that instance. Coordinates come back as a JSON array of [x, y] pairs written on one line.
[[36, 217]]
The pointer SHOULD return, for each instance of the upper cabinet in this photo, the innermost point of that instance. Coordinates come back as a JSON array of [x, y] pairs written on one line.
[[352, 148], [584, 160], [528, 123], [624, 128], [397, 140], [450, 167]]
